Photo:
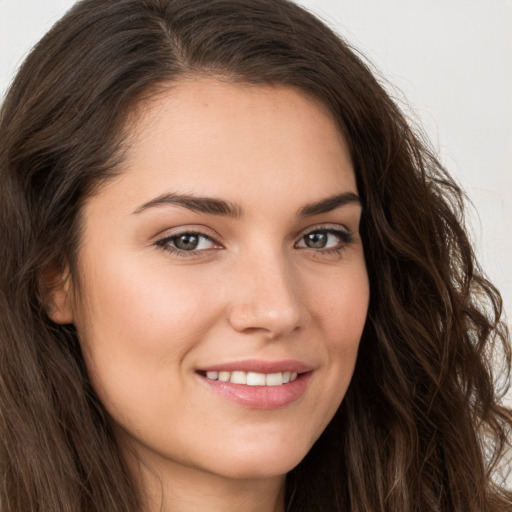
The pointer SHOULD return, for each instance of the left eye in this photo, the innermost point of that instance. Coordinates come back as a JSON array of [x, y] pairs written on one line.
[[188, 242], [324, 239]]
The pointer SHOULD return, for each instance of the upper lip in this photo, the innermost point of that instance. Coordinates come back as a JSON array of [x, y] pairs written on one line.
[[260, 366]]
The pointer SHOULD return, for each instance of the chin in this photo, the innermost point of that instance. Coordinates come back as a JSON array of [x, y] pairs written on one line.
[[259, 462]]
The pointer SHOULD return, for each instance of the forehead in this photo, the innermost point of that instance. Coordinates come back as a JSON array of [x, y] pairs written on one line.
[[235, 141]]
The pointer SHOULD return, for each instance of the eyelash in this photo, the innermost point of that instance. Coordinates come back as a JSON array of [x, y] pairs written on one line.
[[345, 239], [164, 244]]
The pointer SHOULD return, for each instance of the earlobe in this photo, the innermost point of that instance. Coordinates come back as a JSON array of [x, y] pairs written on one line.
[[57, 288]]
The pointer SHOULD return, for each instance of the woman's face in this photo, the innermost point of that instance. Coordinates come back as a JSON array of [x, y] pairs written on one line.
[[224, 262]]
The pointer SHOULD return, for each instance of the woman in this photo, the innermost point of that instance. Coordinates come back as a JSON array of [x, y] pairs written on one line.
[[233, 278]]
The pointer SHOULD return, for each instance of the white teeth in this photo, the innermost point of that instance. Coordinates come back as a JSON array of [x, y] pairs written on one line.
[[274, 379], [224, 376], [253, 378], [238, 378]]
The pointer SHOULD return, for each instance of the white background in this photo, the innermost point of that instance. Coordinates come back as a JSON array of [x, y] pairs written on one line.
[[450, 63]]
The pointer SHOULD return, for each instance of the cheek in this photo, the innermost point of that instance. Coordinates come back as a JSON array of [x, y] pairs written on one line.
[[138, 326], [340, 310], [145, 306], [342, 307]]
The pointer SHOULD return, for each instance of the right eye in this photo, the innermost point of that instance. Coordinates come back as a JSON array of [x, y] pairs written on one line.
[[187, 242]]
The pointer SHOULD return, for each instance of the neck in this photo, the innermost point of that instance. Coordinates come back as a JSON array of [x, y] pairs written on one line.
[[177, 488]]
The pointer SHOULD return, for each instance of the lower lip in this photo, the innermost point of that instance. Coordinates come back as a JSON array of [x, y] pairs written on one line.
[[260, 397]]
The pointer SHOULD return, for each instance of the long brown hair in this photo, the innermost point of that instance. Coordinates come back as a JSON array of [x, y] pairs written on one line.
[[420, 428]]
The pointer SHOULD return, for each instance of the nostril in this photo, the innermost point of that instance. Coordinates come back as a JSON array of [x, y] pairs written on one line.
[[273, 320]]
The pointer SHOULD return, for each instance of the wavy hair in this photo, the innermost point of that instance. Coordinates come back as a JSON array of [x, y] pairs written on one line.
[[421, 428]]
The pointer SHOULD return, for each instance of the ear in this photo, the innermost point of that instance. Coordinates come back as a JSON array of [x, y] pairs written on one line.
[[57, 290]]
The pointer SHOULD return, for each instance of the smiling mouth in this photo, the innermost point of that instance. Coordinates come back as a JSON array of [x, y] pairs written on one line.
[[252, 378], [259, 385]]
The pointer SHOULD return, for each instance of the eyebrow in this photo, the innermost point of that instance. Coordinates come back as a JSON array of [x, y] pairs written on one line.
[[195, 203], [329, 204], [216, 206]]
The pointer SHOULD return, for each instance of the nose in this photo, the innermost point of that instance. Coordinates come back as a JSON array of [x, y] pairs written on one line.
[[267, 298]]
